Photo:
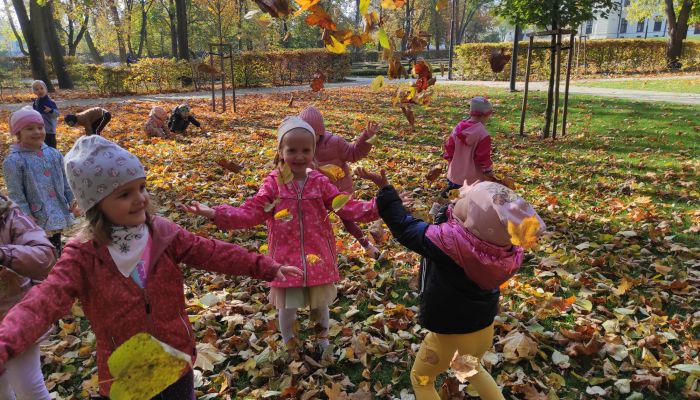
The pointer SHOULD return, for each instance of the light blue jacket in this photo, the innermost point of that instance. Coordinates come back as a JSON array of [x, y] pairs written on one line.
[[36, 182]]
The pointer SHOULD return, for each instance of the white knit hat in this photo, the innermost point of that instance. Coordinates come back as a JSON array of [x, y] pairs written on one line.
[[292, 122], [95, 167]]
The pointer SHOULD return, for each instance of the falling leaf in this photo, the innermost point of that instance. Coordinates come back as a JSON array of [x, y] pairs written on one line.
[[304, 5], [434, 173], [377, 83], [143, 366], [318, 16], [383, 38], [312, 258], [393, 4], [283, 215], [332, 171], [364, 5], [464, 366], [440, 5], [230, 165], [251, 14], [276, 8], [285, 174], [318, 81], [453, 194], [339, 201], [525, 234], [336, 47]]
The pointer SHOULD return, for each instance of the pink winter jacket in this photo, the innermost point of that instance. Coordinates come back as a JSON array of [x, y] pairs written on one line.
[[115, 305], [333, 149], [25, 252], [308, 233], [468, 149]]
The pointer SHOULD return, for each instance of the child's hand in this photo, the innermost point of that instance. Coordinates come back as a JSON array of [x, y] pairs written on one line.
[[199, 209], [288, 270], [371, 129], [75, 210], [406, 199], [47, 109], [378, 179]]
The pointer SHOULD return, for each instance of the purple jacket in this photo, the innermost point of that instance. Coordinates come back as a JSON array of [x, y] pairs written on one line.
[[25, 252], [333, 149], [304, 239]]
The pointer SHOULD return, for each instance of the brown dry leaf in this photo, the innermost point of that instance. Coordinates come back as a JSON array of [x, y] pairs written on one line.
[[434, 173], [276, 8], [517, 345], [464, 366], [319, 16], [318, 81]]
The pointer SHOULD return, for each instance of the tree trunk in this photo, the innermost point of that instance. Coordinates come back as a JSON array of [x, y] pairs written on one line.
[[173, 28], [96, 57], [436, 28], [55, 48], [144, 27], [14, 29], [181, 13], [120, 30], [36, 56], [550, 89], [37, 26], [73, 44], [677, 30]]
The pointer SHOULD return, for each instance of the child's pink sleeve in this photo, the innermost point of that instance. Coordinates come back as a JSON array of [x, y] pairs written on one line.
[[217, 256], [356, 151], [449, 148], [29, 252], [29, 319], [482, 154], [251, 212], [354, 210]]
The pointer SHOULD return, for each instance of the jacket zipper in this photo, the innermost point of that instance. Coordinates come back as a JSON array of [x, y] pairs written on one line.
[[301, 228], [423, 273]]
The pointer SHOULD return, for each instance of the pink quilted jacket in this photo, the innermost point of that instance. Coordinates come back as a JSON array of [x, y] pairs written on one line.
[[332, 149], [115, 305], [306, 239]]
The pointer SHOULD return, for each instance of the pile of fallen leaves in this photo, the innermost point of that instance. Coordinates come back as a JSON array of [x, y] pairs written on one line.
[[606, 307]]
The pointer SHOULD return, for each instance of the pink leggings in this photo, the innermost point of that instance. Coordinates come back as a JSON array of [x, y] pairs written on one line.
[[23, 379], [355, 231]]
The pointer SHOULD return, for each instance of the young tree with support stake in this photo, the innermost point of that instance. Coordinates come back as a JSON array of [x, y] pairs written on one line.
[[553, 15]]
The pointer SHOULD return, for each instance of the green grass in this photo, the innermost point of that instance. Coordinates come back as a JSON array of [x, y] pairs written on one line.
[[680, 85]]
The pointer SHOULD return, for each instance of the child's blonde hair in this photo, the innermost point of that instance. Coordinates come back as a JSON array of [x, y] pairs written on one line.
[[98, 227]]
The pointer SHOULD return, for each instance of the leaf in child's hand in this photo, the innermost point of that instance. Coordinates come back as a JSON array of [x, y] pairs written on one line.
[[312, 258], [285, 175], [377, 83], [271, 206], [230, 165], [339, 201], [143, 366], [453, 195], [373, 140], [283, 215], [525, 234], [464, 366], [332, 171]]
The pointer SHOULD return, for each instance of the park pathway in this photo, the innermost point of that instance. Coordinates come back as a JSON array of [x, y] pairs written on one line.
[[637, 95]]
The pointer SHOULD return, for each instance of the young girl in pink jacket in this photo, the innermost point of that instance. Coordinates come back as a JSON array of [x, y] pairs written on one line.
[[468, 149], [334, 150], [125, 270], [294, 201], [25, 255]]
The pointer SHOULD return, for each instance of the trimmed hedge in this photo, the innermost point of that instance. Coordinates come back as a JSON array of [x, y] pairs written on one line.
[[273, 68], [609, 56]]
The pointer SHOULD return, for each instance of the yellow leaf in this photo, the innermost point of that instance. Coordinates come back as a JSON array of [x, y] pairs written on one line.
[[339, 201], [332, 171], [305, 5], [263, 249], [364, 4], [624, 286], [377, 83], [441, 4], [283, 215], [411, 93], [336, 47], [312, 258], [453, 194], [393, 4], [285, 175], [143, 366], [422, 379], [383, 38], [525, 234]]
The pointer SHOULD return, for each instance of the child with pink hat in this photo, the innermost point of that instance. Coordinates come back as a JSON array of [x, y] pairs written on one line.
[[468, 149], [467, 255], [334, 150]]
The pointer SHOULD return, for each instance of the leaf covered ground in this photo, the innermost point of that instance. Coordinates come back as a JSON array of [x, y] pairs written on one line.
[[605, 308]]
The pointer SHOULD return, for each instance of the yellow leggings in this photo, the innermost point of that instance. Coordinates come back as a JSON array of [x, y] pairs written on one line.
[[435, 355]]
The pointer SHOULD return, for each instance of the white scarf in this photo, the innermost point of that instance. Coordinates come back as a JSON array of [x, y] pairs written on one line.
[[127, 246]]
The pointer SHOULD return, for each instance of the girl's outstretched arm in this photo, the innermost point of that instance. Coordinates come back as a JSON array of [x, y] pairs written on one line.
[[29, 252], [358, 150], [353, 210]]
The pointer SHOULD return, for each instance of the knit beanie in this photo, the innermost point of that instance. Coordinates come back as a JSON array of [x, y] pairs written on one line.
[[486, 207], [95, 167], [314, 118], [480, 106], [184, 107], [23, 117], [159, 112], [290, 123]]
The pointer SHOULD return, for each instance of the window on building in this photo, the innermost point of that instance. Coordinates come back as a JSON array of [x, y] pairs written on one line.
[[657, 25], [640, 26], [589, 27], [623, 26]]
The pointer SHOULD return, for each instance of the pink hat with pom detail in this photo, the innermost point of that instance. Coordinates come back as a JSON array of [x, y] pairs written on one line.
[[485, 209], [314, 118], [23, 117]]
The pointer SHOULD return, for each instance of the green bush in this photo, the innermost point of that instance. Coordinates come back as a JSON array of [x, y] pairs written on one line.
[[609, 56]]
